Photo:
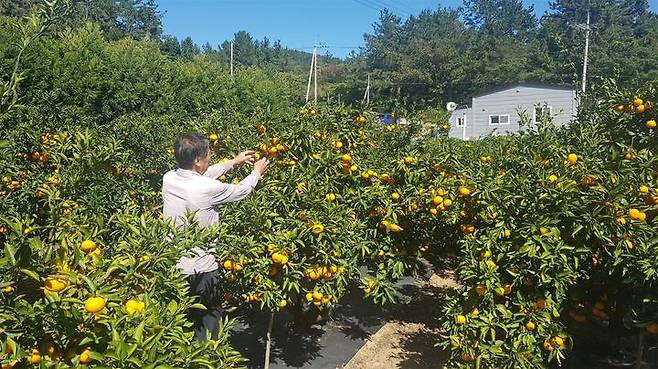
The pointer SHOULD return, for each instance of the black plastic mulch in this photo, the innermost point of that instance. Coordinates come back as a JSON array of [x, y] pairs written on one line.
[[327, 346]]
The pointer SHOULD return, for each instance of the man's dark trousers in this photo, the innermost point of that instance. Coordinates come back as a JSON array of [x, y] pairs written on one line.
[[206, 287]]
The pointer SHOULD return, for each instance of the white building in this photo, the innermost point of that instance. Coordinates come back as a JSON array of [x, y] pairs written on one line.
[[498, 111]]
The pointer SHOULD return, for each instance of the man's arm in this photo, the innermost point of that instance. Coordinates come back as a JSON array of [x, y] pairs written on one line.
[[218, 169], [222, 193]]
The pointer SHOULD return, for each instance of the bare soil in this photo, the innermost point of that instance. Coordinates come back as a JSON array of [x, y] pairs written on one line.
[[407, 340]]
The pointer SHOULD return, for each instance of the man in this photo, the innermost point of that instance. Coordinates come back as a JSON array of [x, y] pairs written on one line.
[[193, 187]]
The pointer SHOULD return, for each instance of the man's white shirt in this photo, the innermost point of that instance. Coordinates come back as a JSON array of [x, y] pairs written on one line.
[[186, 190]]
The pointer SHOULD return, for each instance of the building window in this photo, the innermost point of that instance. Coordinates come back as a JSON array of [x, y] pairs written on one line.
[[540, 111], [461, 121], [495, 120]]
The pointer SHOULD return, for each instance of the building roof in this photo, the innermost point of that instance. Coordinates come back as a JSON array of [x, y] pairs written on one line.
[[550, 86]]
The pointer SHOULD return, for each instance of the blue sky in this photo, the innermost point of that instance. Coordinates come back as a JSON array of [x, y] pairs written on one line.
[[339, 24]]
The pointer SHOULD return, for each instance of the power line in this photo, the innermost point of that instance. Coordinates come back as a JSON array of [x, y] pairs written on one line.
[[390, 7], [367, 5], [398, 3], [378, 7]]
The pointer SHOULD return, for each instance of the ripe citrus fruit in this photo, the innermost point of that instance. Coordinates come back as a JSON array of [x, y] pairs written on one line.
[[559, 341], [94, 304], [317, 229], [85, 358], [636, 214], [277, 257], [34, 358], [652, 328], [88, 246], [540, 304], [394, 228], [572, 158], [55, 284], [134, 306]]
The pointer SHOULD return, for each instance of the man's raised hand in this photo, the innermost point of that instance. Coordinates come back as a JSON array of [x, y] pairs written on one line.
[[261, 165], [245, 157]]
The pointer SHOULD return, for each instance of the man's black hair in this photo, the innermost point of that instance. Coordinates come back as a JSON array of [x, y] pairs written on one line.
[[188, 147]]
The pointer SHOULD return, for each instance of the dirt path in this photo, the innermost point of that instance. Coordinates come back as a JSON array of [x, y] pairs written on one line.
[[407, 340]]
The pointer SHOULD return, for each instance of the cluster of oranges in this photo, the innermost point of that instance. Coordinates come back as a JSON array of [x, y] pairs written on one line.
[[323, 272], [318, 299], [639, 106]]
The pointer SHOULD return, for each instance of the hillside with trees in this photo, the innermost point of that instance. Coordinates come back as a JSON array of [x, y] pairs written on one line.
[[444, 54], [427, 59], [547, 237]]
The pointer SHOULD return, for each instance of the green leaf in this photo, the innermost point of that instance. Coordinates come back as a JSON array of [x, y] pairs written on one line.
[[30, 274], [10, 252], [172, 307], [139, 332]]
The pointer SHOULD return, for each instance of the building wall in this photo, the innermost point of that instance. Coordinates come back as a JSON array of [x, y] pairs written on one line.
[[460, 132], [510, 102]]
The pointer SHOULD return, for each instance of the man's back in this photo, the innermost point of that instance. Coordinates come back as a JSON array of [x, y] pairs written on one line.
[[186, 191], [194, 187]]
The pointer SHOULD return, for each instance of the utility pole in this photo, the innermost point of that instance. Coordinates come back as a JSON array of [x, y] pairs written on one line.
[[310, 76], [587, 30], [231, 59], [315, 79], [366, 94]]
